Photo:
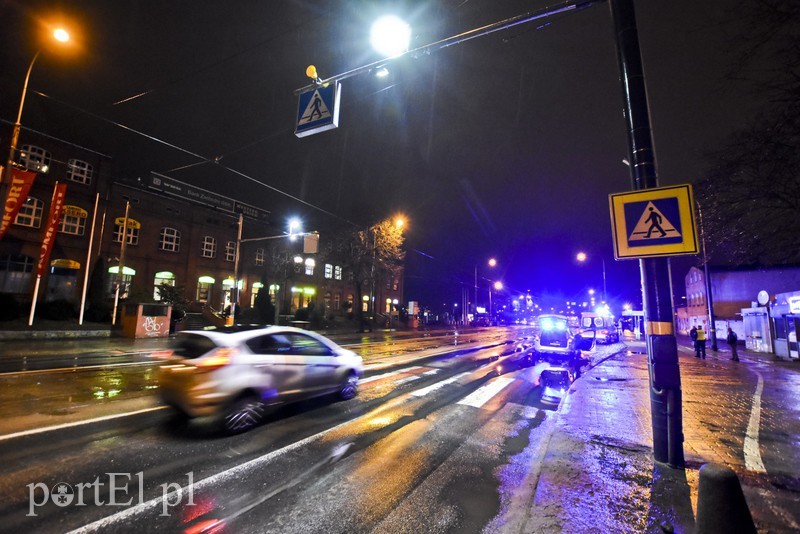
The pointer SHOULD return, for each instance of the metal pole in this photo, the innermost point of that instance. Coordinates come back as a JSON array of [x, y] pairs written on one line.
[[88, 261], [18, 125], [662, 347], [605, 293], [712, 323], [121, 266], [230, 320], [476, 290]]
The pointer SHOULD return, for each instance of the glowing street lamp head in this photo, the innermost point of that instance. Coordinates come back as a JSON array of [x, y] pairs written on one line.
[[390, 36], [581, 256], [294, 227], [498, 285], [61, 35], [492, 262], [399, 222]]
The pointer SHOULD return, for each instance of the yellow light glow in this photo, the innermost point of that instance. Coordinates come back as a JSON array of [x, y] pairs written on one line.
[[61, 35], [311, 72]]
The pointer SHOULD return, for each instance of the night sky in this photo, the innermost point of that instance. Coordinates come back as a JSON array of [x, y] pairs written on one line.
[[506, 146]]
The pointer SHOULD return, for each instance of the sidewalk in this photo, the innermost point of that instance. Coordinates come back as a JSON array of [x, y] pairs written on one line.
[[598, 473]]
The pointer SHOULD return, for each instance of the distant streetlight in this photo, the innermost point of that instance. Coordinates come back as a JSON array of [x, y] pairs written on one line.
[[61, 36], [491, 263], [582, 257], [498, 286], [390, 36], [295, 227]]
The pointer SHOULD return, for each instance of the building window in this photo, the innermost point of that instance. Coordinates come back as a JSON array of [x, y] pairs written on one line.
[[310, 263], [328, 270], [16, 273], [337, 301], [170, 240], [230, 251], [131, 230], [34, 158], [162, 278], [73, 220], [30, 214], [337, 273], [209, 247], [260, 256], [79, 171], [204, 285]]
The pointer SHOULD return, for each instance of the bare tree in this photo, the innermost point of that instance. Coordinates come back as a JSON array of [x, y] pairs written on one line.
[[750, 198]]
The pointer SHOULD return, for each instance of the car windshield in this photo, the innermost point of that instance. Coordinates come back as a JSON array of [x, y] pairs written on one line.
[[191, 346]]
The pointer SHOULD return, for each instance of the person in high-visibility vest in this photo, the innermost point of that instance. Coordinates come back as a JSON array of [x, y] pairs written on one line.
[[701, 342]]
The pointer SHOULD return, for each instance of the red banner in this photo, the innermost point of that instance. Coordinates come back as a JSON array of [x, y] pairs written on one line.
[[56, 207], [21, 182]]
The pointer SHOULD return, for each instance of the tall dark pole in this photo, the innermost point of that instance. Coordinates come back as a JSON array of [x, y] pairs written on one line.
[[662, 347]]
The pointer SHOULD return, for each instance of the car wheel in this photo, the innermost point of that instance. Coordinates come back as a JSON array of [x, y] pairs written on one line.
[[350, 387], [244, 413]]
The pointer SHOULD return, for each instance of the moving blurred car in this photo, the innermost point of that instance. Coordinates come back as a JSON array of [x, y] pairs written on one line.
[[481, 320], [606, 329], [555, 382], [234, 376], [558, 343]]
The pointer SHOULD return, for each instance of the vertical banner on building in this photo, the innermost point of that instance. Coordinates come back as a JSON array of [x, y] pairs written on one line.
[[56, 207], [18, 189]]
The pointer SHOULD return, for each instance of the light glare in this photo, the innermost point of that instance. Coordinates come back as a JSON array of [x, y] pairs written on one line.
[[61, 35], [390, 36]]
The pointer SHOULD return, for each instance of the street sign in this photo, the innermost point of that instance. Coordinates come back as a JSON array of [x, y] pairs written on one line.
[[653, 222], [318, 109]]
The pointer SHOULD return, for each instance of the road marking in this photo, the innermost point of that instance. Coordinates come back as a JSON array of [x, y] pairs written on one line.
[[387, 375], [77, 423], [235, 472], [481, 396], [75, 368], [406, 380], [430, 389], [752, 455]]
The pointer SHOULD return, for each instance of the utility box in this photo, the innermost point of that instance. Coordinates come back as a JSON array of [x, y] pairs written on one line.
[[146, 320]]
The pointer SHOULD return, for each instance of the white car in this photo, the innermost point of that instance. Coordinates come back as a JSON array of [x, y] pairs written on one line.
[[235, 376]]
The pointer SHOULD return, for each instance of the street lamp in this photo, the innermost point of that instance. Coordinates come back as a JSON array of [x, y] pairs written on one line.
[[491, 263], [498, 286], [61, 36], [582, 257], [390, 36]]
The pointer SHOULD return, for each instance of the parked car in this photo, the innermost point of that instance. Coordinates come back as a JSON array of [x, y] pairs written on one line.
[[559, 343], [555, 382], [233, 377]]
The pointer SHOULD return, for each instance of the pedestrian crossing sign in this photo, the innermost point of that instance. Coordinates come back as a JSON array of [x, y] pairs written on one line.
[[653, 222], [318, 109]]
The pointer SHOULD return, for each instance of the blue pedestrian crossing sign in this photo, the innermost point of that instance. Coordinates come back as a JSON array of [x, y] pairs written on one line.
[[653, 222], [318, 109]]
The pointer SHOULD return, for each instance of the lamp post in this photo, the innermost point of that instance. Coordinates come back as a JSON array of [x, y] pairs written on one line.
[[582, 257], [61, 36], [491, 263], [497, 286]]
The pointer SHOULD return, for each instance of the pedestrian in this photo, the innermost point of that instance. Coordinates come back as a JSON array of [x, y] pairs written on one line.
[[693, 335], [732, 339], [701, 342]]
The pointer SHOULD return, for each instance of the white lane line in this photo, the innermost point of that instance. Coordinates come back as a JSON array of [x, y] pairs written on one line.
[[752, 455], [481, 396], [430, 389], [431, 372], [387, 375], [236, 472], [406, 380], [77, 423]]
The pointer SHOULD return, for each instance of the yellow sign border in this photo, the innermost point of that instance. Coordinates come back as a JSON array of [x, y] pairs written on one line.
[[683, 193]]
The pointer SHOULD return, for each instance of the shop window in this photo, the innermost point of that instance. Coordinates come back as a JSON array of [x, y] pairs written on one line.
[[30, 213], [35, 158], [204, 285], [170, 240], [162, 278], [62, 283], [310, 263], [79, 171], [209, 247], [16, 273]]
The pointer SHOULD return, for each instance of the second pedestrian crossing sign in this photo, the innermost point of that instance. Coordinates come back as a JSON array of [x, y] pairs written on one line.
[[653, 222]]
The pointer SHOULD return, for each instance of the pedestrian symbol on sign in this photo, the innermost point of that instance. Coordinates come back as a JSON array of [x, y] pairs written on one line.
[[315, 110], [654, 222]]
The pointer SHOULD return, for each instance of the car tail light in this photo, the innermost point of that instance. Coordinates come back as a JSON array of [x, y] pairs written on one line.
[[218, 358]]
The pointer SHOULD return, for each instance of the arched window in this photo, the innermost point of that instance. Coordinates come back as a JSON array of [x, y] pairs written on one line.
[[73, 220], [79, 171], [30, 214], [170, 240], [34, 158]]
